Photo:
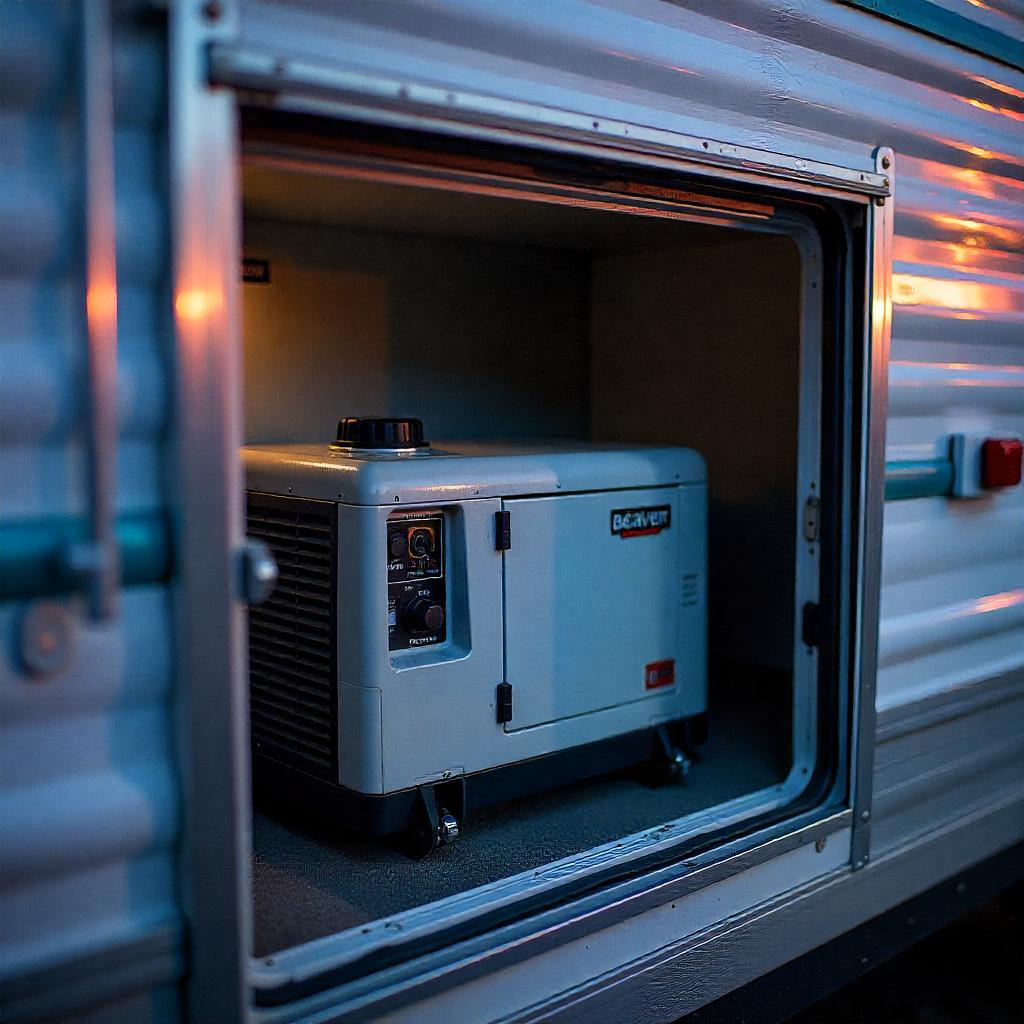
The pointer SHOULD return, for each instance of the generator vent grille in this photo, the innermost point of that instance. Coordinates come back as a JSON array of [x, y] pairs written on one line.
[[691, 589], [292, 636]]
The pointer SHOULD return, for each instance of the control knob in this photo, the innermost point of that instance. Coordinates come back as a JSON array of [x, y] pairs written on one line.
[[423, 616]]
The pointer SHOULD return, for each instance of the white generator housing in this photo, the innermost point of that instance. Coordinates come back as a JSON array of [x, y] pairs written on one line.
[[555, 599]]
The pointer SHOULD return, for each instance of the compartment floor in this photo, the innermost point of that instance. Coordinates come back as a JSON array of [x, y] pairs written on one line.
[[307, 885]]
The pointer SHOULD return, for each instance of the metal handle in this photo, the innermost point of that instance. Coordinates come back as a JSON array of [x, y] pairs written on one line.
[[94, 560], [921, 478], [37, 557]]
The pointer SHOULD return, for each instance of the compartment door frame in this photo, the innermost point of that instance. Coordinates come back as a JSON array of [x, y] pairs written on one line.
[[212, 666]]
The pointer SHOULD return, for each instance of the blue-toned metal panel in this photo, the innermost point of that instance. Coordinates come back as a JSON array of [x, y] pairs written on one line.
[[88, 787]]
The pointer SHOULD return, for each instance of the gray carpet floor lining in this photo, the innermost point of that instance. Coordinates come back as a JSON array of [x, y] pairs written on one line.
[[307, 885]]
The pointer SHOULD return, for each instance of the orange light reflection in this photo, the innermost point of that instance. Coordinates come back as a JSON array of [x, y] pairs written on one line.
[[1002, 87], [973, 180], [100, 302], [985, 154], [918, 290], [197, 303], [995, 602], [969, 367], [970, 254], [983, 230], [989, 108]]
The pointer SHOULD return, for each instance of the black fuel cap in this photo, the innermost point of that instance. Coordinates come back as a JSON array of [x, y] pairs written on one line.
[[380, 432]]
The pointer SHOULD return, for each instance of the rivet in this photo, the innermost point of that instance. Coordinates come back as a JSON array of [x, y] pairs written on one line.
[[865, 815], [46, 638], [819, 844], [886, 162]]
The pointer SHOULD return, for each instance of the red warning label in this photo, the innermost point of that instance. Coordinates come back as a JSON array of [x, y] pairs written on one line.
[[659, 673]]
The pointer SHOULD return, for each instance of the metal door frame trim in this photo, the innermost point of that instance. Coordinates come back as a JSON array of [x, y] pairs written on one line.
[[874, 413], [296, 85], [213, 742], [419, 978]]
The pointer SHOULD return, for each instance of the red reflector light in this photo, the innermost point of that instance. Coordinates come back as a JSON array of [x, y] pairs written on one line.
[[1001, 462], [660, 673]]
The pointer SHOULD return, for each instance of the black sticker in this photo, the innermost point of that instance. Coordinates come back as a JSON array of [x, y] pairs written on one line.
[[641, 522], [256, 271]]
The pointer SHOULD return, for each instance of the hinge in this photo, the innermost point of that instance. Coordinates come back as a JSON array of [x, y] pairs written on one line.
[[502, 530], [811, 624], [812, 518], [504, 703]]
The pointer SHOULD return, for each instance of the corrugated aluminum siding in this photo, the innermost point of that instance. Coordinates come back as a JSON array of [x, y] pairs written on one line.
[[821, 81], [89, 803]]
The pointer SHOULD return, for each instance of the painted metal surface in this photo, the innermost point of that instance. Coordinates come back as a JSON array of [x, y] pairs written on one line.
[[937, 762], [799, 79], [89, 799], [205, 255]]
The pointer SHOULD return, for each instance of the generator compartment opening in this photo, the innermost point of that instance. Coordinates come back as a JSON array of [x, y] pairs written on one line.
[[540, 459]]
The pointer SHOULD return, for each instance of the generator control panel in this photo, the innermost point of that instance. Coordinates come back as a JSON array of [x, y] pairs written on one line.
[[416, 581]]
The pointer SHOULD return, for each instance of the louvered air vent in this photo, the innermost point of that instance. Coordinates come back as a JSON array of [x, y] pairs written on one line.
[[292, 636], [690, 589]]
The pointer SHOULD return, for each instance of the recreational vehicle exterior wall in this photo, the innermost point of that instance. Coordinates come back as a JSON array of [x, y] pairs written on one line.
[[124, 781]]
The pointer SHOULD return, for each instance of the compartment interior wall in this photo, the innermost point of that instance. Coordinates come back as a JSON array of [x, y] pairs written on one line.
[[466, 334], [701, 346]]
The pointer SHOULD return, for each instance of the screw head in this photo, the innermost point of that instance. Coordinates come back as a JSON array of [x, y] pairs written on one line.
[[865, 815], [886, 162]]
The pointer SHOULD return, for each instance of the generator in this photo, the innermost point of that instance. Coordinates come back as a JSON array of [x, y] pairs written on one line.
[[461, 624]]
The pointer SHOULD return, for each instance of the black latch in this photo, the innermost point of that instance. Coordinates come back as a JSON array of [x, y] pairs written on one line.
[[504, 703], [502, 530], [811, 624]]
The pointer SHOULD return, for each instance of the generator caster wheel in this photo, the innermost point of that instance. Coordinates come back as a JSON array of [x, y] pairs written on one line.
[[670, 762], [433, 826]]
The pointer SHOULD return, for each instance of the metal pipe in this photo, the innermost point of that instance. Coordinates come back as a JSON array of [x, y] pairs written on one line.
[[34, 562], [924, 478]]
